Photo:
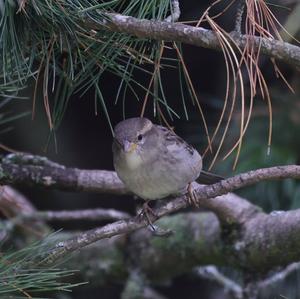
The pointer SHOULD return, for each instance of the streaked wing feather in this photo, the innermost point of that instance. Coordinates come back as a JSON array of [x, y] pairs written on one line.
[[172, 138]]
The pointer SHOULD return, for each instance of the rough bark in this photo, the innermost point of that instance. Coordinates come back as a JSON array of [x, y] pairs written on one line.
[[197, 239], [195, 36], [236, 235]]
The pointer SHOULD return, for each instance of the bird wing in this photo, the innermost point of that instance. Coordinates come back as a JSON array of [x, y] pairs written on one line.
[[174, 139], [185, 160]]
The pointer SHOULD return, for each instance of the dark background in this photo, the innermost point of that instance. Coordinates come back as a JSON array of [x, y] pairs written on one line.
[[84, 140]]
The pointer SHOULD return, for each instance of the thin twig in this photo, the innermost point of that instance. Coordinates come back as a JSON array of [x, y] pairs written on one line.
[[278, 276], [175, 12], [239, 16], [212, 273]]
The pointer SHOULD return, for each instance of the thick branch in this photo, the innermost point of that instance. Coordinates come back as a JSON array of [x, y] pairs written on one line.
[[249, 246], [279, 229], [196, 36], [28, 170], [91, 215], [15, 170], [198, 239]]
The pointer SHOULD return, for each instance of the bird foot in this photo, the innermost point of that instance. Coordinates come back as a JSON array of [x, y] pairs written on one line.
[[191, 199], [147, 211], [155, 230]]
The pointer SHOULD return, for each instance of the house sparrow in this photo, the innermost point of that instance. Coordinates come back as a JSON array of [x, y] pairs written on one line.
[[153, 162]]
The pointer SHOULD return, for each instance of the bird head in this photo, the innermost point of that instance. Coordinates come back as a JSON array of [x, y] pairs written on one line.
[[132, 133]]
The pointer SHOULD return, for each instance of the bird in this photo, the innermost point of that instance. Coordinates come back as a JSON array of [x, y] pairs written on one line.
[[155, 163]]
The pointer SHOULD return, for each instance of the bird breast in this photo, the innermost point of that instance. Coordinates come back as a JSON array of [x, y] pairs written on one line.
[[159, 175], [132, 160]]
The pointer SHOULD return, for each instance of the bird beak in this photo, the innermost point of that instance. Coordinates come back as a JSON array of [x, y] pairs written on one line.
[[129, 147]]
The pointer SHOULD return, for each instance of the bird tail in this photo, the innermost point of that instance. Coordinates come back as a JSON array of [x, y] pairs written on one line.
[[208, 178]]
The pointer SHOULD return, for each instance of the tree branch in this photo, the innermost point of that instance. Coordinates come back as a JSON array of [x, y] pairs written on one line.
[[198, 240], [212, 273], [278, 277], [14, 204], [195, 36], [29, 170], [239, 16], [273, 229], [175, 12], [279, 229], [95, 214], [15, 170]]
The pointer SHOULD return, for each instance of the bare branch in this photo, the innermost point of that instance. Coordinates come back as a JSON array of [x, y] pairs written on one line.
[[273, 228], [94, 214], [14, 204], [212, 273], [230, 209], [15, 171], [113, 259], [18, 169], [175, 12], [198, 240], [278, 276], [196, 36], [239, 16]]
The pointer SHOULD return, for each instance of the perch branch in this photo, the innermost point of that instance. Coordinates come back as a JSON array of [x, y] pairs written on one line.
[[14, 170], [276, 229]]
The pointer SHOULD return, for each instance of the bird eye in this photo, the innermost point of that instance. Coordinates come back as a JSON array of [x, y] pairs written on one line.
[[140, 137]]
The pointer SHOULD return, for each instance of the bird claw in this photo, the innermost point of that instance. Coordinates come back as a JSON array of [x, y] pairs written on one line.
[[191, 198], [146, 210], [155, 230]]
